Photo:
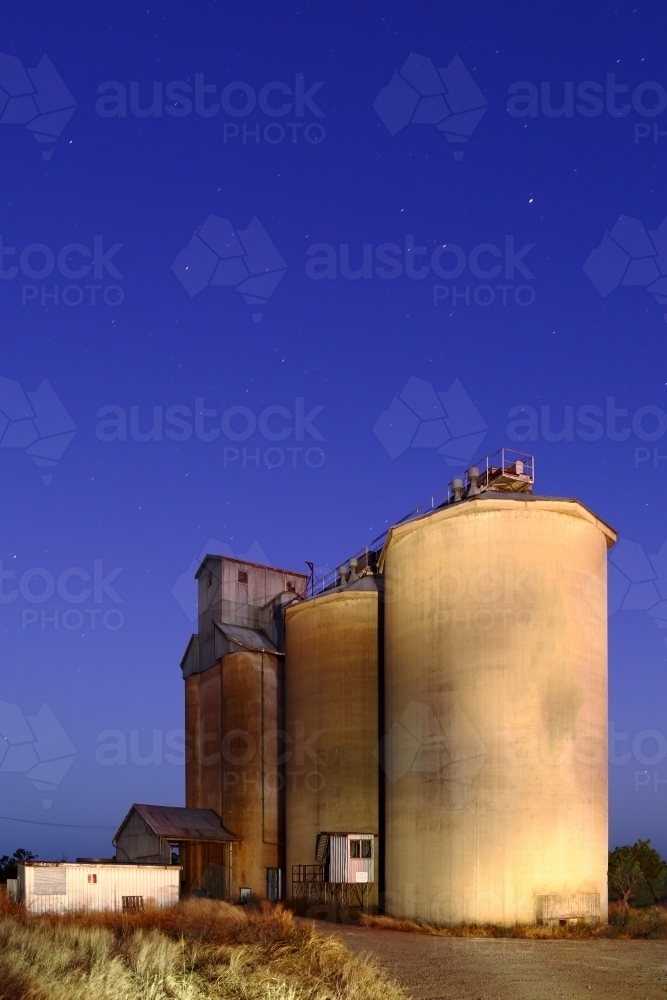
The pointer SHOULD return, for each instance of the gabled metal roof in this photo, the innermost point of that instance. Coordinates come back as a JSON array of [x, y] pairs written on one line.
[[177, 823], [249, 638], [248, 562]]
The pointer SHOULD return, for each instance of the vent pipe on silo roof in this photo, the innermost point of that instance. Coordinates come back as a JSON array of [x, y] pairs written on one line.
[[473, 478], [457, 489]]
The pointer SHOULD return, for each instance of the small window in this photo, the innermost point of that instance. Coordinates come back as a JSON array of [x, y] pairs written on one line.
[[367, 848], [243, 576], [209, 582], [290, 586], [355, 848], [92, 880]]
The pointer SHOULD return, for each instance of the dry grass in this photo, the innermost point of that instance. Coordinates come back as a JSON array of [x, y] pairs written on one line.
[[649, 923], [198, 950]]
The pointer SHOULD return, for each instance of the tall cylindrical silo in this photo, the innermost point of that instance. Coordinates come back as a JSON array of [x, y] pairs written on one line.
[[495, 746], [331, 646]]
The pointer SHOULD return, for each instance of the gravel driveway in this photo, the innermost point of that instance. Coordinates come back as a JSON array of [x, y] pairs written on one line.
[[440, 968]]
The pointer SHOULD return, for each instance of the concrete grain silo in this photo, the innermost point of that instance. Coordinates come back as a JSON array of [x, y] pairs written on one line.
[[331, 646], [495, 745]]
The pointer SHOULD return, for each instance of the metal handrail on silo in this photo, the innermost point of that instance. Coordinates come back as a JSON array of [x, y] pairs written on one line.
[[506, 465]]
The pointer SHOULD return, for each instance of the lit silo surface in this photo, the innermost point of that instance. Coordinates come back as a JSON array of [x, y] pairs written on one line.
[[331, 645], [495, 751]]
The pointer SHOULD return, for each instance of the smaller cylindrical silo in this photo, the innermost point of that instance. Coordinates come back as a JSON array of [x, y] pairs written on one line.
[[331, 644]]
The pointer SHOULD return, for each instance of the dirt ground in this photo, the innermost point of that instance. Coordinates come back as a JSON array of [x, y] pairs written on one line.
[[440, 968]]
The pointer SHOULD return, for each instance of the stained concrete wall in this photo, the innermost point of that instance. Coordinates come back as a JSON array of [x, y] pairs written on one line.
[[233, 718], [332, 720], [496, 710]]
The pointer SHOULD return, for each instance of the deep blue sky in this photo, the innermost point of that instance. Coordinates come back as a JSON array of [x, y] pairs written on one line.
[[346, 346]]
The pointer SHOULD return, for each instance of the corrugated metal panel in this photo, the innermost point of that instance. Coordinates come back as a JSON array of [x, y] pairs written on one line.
[[342, 867], [247, 637], [177, 823], [338, 858], [158, 885], [136, 841]]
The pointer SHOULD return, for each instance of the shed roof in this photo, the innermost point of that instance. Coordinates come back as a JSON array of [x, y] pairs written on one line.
[[178, 823], [250, 638]]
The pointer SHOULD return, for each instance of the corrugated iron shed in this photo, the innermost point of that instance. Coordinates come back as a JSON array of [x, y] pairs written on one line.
[[180, 824]]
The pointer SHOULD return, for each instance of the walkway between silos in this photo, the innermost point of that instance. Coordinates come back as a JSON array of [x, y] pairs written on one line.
[[439, 968]]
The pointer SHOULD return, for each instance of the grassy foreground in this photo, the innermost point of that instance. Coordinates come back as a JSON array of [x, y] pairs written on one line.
[[198, 950], [648, 923]]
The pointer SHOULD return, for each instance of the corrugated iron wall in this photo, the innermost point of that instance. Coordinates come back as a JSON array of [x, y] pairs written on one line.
[[69, 887]]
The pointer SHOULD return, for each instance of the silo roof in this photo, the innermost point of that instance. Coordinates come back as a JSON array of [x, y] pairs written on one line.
[[503, 497]]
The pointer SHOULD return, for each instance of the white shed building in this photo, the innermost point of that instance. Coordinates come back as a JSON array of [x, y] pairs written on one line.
[[62, 886], [350, 856]]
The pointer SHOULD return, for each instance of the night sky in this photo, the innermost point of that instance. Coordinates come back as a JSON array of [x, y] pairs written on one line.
[[244, 248]]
